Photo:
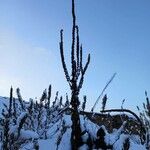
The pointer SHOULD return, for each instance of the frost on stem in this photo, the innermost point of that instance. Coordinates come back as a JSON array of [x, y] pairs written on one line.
[[20, 99]]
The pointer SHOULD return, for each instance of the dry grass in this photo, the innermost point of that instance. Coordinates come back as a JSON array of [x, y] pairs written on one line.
[[115, 121]]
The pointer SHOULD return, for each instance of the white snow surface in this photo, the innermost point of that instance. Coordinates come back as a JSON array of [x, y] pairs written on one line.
[[55, 130], [92, 128]]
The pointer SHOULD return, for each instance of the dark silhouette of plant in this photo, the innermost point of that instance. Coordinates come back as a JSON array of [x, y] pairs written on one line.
[[10, 141], [5, 145], [76, 79], [41, 112], [10, 102], [67, 101], [21, 120], [84, 103], [36, 145], [100, 141], [49, 95], [126, 144], [104, 100], [145, 118], [6, 122], [20, 99], [14, 110], [108, 83]]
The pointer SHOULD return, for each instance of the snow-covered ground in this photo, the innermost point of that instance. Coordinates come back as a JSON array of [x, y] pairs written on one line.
[[59, 134], [115, 138]]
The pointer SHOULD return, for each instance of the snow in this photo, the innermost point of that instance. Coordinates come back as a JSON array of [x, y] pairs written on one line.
[[89, 126], [47, 144], [27, 134], [110, 138], [67, 119], [83, 147], [65, 142], [59, 133], [3, 100], [135, 146], [24, 134], [54, 132]]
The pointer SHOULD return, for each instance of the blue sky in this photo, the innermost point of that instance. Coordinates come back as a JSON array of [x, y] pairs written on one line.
[[116, 33]]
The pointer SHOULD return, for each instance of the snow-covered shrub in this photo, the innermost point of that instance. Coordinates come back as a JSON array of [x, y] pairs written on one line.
[[14, 126], [145, 117]]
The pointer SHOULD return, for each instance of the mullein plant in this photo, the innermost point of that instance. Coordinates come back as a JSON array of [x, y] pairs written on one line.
[[20, 117], [75, 80], [6, 121], [12, 124]]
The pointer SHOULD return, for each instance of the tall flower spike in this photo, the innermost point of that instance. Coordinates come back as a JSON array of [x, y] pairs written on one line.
[[76, 79], [62, 57]]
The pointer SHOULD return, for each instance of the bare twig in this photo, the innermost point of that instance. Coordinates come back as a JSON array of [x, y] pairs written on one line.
[[111, 79]]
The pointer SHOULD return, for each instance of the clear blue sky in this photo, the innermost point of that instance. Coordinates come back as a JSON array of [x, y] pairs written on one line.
[[115, 32]]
